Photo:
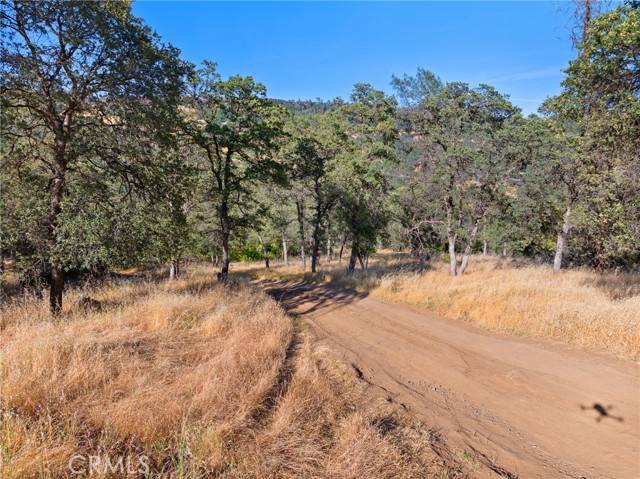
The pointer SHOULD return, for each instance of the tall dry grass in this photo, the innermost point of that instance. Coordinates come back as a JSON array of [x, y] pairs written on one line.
[[198, 380], [578, 307], [600, 312]]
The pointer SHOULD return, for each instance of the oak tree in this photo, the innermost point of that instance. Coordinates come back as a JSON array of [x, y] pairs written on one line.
[[82, 83]]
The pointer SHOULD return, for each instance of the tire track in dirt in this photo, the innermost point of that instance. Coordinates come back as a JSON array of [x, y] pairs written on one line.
[[282, 382], [509, 407]]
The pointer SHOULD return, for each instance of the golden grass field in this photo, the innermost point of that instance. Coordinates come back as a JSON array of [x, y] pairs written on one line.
[[204, 380], [200, 380], [600, 312]]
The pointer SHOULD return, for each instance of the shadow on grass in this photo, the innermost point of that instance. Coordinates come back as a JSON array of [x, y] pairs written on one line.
[[617, 286], [302, 292]]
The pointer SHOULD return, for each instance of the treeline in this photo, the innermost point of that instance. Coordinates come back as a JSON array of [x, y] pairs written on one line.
[[309, 107], [115, 152]]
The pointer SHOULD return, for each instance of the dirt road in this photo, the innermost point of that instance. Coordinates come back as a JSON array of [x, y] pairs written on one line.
[[505, 406]]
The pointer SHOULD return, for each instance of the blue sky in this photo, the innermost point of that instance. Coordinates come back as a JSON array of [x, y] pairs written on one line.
[[305, 50]]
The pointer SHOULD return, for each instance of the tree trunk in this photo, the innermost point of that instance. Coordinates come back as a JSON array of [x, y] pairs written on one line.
[[285, 253], [56, 290], [315, 247], [451, 236], [354, 255], [465, 258], [453, 262], [469, 247], [225, 227], [361, 260], [173, 270], [587, 20], [344, 240], [303, 259], [57, 185], [562, 236], [315, 234], [265, 253], [329, 241], [484, 242], [224, 272]]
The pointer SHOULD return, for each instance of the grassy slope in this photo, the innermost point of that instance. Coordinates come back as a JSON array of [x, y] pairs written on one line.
[[578, 307], [206, 381]]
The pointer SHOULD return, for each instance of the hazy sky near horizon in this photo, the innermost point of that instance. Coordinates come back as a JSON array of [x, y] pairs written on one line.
[[308, 50]]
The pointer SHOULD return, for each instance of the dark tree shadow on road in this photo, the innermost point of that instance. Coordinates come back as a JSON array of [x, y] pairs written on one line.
[[300, 298]]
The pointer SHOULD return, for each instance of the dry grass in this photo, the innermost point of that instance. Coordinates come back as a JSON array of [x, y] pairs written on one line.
[[201, 379], [578, 307]]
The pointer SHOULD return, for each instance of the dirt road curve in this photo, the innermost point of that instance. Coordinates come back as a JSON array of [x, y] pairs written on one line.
[[510, 407]]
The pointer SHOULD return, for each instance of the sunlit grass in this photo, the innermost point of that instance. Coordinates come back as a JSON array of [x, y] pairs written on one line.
[[204, 380], [578, 306]]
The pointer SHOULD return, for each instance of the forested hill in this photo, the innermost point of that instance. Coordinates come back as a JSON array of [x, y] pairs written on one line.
[[309, 107]]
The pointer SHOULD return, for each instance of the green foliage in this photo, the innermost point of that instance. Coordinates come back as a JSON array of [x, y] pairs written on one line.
[[309, 108], [540, 160], [251, 250], [89, 97], [359, 171], [601, 97], [23, 221], [460, 173], [115, 152], [231, 132]]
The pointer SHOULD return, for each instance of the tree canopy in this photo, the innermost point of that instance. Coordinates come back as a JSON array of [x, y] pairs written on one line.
[[85, 86], [115, 152]]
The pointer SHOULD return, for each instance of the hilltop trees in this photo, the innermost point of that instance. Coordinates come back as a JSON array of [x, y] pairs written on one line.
[[85, 86]]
